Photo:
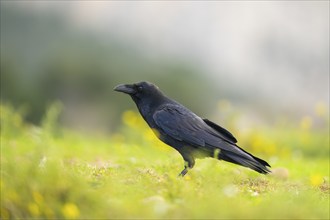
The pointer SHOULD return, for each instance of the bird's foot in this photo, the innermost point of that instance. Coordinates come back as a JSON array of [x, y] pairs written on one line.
[[183, 172]]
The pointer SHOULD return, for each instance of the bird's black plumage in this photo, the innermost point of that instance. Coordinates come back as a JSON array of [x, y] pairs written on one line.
[[192, 136]]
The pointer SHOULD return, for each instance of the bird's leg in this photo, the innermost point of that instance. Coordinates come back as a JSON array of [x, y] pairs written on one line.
[[187, 166], [189, 161], [184, 171]]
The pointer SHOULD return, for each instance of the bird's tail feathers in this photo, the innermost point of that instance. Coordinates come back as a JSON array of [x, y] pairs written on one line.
[[252, 162]]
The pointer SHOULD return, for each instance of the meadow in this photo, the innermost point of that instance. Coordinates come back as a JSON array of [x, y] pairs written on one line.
[[48, 171]]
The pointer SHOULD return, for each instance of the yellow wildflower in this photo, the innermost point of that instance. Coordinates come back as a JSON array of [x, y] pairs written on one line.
[[316, 180], [187, 177], [149, 135], [34, 209], [70, 211]]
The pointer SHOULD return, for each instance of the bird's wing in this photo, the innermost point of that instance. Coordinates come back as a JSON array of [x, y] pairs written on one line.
[[227, 135], [178, 125], [183, 125]]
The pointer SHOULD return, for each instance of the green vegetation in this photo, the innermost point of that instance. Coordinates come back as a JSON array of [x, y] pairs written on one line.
[[52, 172]]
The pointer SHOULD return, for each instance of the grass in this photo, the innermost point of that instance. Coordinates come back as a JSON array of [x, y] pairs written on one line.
[[52, 172]]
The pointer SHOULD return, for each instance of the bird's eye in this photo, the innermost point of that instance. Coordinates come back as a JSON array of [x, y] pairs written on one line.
[[140, 88]]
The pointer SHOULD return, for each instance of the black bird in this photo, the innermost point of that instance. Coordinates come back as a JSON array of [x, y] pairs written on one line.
[[192, 136]]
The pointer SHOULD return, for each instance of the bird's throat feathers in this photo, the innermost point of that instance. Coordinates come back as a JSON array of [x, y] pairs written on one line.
[[147, 106]]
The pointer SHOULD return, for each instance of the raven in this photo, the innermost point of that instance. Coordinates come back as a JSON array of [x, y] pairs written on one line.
[[192, 136]]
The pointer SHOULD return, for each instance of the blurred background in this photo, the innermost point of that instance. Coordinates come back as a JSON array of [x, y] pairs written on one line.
[[268, 59], [73, 148]]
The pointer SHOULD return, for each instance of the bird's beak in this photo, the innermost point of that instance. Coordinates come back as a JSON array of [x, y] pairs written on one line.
[[125, 88]]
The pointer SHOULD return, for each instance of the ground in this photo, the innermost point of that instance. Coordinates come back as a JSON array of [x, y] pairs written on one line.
[[52, 172]]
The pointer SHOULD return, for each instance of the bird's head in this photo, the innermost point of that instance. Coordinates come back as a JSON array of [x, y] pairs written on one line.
[[139, 91]]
